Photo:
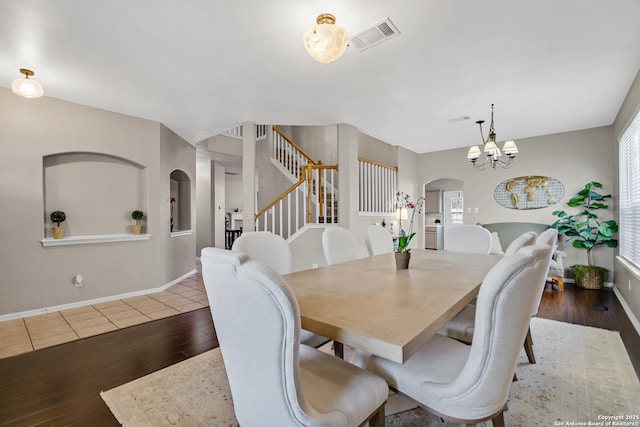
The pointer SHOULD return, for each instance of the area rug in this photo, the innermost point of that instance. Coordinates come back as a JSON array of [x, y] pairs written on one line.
[[583, 375]]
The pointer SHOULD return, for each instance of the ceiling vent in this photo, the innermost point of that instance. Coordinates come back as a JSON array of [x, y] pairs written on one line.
[[458, 119], [373, 35]]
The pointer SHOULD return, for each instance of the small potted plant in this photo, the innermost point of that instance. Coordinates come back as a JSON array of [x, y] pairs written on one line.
[[403, 252], [137, 215], [57, 217], [587, 232]]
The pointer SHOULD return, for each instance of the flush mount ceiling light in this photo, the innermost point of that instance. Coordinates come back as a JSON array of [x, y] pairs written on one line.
[[326, 41], [26, 87], [494, 156]]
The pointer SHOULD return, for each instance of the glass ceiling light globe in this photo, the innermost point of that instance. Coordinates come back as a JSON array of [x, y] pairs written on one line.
[[26, 87], [326, 42]]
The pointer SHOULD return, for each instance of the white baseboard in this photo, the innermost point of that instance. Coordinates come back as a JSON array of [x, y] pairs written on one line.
[[45, 310], [627, 309]]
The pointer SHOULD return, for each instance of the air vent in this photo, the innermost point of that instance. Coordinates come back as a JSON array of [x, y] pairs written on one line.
[[458, 119], [373, 35]]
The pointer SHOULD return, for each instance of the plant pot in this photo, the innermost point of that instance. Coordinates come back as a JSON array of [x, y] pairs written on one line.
[[136, 229], [589, 277], [58, 232], [402, 260]]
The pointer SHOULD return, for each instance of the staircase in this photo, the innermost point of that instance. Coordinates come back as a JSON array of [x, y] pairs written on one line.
[[312, 199]]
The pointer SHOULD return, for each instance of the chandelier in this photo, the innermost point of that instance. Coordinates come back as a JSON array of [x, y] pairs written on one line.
[[494, 155], [326, 41]]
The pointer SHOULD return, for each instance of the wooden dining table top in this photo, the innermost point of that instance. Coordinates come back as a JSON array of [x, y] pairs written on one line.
[[369, 305]]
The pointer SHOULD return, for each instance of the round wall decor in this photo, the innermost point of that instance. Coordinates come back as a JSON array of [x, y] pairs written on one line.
[[529, 192]]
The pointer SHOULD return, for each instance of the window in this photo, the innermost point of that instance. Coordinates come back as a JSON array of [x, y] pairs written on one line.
[[629, 150]]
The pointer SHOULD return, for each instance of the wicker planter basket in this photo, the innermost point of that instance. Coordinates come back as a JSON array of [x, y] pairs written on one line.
[[589, 277]]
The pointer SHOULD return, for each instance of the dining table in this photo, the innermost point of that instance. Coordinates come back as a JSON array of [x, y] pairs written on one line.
[[369, 304]]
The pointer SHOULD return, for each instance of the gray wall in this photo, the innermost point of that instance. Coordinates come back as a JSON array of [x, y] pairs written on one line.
[[205, 204], [574, 158], [627, 282], [33, 276]]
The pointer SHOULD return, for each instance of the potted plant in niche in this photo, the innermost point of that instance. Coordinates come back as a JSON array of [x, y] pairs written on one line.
[[57, 217], [402, 251], [587, 232], [137, 215]]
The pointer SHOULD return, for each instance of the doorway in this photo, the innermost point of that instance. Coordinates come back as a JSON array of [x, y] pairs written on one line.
[[452, 212]]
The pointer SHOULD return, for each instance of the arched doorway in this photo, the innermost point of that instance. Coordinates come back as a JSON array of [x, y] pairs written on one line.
[[444, 208]]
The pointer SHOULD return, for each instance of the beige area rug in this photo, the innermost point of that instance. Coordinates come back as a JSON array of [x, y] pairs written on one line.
[[582, 375]]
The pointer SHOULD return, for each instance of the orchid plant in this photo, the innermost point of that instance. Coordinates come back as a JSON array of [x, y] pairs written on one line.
[[403, 201]]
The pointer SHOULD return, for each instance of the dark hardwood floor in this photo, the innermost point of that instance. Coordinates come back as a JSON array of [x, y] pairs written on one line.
[[60, 386]]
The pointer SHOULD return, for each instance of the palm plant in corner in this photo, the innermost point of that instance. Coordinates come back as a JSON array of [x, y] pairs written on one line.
[[587, 232], [403, 251]]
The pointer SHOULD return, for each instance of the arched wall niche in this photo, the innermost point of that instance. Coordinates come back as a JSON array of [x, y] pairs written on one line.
[[180, 202], [96, 191]]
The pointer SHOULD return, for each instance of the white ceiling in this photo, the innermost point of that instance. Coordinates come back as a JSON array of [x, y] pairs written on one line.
[[204, 66]]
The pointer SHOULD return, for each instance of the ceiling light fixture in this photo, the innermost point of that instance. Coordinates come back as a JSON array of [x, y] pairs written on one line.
[[494, 156], [326, 42], [26, 87]]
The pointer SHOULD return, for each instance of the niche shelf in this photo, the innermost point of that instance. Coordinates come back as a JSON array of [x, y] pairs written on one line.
[[84, 240], [97, 191]]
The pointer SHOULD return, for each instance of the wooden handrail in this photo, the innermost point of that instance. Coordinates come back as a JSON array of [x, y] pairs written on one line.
[[373, 162], [308, 157], [305, 175], [321, 166], [283, 195]]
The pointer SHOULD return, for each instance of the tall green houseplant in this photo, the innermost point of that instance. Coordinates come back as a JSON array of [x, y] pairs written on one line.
[[587, 232]]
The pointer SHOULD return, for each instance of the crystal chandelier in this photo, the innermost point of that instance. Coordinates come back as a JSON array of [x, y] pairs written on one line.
[[494, 155]]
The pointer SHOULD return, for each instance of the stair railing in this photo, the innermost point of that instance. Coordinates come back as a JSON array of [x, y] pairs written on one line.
[[321, 184], [237, 132], [287, 212], [377, 187], [289, 154], [294, 209]]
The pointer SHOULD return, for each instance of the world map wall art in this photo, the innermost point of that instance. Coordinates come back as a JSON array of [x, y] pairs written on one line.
[[529, 192]]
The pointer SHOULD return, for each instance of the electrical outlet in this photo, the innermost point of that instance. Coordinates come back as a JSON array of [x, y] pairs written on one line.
[[314, 265]]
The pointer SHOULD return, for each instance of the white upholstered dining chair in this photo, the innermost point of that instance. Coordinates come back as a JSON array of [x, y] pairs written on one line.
[[470, 383], [264, 246], [339, 245], [274, 251], [525, 239], [468, 238], [462, 326], [378, 240], [274, 380]]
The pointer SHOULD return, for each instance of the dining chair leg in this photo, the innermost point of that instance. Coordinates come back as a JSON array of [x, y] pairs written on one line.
[[498, 420], [377, 419], [338, 349], [528, 347], [558, 281]]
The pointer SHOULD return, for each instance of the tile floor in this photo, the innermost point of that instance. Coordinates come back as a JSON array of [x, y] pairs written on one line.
[[45, 330]]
